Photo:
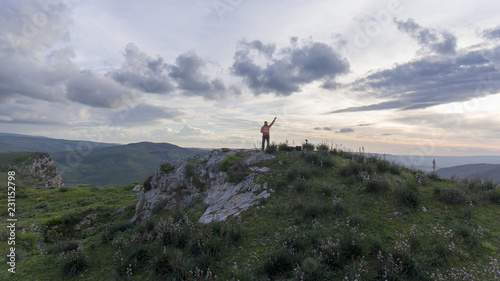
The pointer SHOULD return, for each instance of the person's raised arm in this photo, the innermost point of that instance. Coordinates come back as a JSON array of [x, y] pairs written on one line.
[[272, 122]]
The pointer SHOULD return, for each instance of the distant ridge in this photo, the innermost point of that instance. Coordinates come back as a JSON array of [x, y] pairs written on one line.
[[25, 143], [472, 171], [95, 163]]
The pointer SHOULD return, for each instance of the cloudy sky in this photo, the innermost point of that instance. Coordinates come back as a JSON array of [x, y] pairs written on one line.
[[392, 76]]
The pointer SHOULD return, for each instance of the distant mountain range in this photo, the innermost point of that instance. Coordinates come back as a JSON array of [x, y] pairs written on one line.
[[100, 164], [472, 171]]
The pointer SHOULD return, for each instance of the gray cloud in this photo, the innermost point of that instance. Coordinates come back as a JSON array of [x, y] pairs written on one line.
[[429, 81], [492, 33], [142, 114], [192, 82], [96, 90], [141, 72], [324, 128], [345, 131], [439, 42], [289, 68]]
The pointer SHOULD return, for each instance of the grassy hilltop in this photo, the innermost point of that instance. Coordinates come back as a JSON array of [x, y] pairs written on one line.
[[334, 215]]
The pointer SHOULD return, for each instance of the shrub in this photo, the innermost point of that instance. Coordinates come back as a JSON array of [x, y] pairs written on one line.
[[308, 146], [300, 186], [351, 168], [166, 167], [494, 195], [376, 186], [408, 196], [283, 146], [63, 189], [234, 167], [279, 262], [315, 209], [42, 205], [451, 195], [323, 147], [73, 263], [147, 183], [300, 172], [272, 148], [312, 270]]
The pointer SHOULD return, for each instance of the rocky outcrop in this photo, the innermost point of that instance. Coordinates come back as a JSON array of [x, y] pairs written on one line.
[[38, 169], [179, 183]]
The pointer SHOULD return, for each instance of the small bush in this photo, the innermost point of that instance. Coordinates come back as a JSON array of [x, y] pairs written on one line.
[[283, 146], [42, 205], [147, 183], [315, 209], [312, 270], [166, 167], [73, 263], [408, 196], [308, 147], [63, 189], [352, 168], [494, 195], [300, 186], [234, 166], [272, 148], [299, 173], [376, 186], [451, 195], [279, 262], [323, 147]]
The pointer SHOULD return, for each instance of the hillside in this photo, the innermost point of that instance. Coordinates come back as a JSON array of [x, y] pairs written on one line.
[[117, 165], [329, 215], [25, 143], [94, 163], [472, 171]]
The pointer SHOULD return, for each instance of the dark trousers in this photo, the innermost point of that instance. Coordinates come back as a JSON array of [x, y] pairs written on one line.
[[264, 139]]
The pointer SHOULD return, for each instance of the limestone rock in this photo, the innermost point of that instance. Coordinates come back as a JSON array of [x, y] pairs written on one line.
[[177, 184]]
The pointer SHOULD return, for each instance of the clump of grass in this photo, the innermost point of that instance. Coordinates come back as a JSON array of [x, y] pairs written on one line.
[[452, 195], [166, 167], [272, 148], [308, 146], [279, 262], [376, 186], [234, 166], [147, 183], [72, 263], [63, 189], [350, 168], [408, 196], [311, 270]]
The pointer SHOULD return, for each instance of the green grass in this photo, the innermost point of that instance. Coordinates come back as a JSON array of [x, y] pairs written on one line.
[[354, 218]]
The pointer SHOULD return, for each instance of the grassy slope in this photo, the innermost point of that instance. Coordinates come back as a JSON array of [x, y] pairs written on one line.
[[323, 225]]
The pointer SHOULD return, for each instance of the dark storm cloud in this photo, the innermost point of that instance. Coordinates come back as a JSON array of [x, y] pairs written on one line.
[[439, 42], [287, 69]]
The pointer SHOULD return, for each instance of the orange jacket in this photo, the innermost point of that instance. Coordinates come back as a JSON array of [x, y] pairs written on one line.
[[265, 130]]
